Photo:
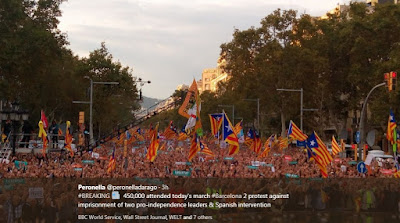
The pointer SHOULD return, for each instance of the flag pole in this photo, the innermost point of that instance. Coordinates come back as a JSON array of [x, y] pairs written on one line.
[[394, 142]]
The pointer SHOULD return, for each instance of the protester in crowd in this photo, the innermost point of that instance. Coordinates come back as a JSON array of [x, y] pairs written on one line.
[[27, 130], [6, 130], [54, 131]]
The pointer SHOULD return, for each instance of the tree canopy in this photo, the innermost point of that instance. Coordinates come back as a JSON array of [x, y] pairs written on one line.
[[38, 70]]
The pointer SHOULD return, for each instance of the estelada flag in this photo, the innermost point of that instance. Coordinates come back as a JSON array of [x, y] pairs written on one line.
[[229, 136], [170, 131], [256, 145], [204, 149], [216, 121], [295, 133], [391, 127], [249, 137], [321, 153]]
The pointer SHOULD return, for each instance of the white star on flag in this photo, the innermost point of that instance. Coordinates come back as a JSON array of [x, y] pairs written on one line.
[[229, 128], [312, 143], [391, 118]]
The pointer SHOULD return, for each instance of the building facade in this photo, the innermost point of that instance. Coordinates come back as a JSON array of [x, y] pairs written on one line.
[[211, 77]]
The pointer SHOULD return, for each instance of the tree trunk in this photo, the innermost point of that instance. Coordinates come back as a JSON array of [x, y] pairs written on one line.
[[283, 121]]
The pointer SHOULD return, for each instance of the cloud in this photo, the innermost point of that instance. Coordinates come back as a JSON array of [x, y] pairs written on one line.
[[166, 41]]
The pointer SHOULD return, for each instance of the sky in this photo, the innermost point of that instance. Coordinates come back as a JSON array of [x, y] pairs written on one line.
[[168, 42]]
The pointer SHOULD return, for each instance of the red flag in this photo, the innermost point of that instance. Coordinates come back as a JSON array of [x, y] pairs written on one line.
[[44, 119]]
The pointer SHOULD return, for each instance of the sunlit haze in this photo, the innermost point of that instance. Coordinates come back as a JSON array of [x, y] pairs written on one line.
[[168, 42]]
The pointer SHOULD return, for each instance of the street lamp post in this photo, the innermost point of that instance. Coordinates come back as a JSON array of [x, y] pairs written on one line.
[[233, 111], [301, 104], [142, 82], [91, 139], [361, 125]]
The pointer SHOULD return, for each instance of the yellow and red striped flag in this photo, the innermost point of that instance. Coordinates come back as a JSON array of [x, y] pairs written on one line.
[[335, 147], [194, 147], [170, 131], [154, 144], [182, 136], [267, 148], [162, 147], [397, 174], [283, 143], [323, 170], [68, 139], [322, 151], [295, 133]]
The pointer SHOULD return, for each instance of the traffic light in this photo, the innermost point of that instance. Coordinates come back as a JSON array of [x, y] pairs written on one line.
[[393, 76], [386, 76], [391, 80]]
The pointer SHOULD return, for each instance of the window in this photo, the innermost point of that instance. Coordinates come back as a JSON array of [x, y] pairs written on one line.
[[207, 79], [207, 87]]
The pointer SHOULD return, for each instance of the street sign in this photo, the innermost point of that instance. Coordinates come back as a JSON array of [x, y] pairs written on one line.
[[301, 143], [361, 167], [257, 163], [36, 192], [95, 155], [358, 137], [181, 173], [288, 175], [288, 158], [352, 162], [371, 138], [252, 167], [88, 161]]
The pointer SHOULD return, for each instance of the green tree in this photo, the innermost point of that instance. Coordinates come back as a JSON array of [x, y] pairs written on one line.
[[113, 105]]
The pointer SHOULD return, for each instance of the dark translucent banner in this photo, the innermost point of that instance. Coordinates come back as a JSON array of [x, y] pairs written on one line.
[[213, 200]]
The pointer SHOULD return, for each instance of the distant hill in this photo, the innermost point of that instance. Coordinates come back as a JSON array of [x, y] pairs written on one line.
[[148, 102]]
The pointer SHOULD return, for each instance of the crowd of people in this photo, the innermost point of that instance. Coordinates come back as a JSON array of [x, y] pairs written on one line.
[[275, 174], [135, 164]]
